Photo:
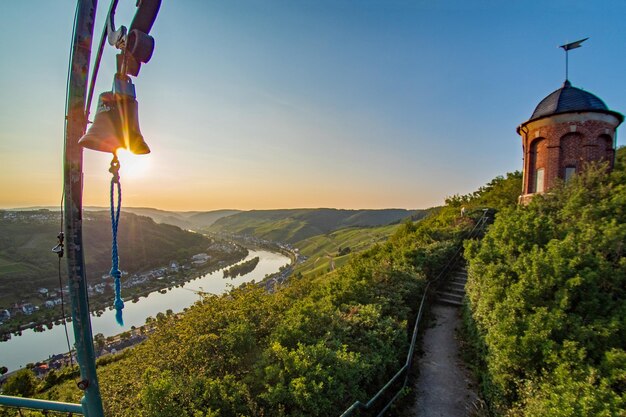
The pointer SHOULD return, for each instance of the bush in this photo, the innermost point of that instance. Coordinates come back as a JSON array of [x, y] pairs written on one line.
[[22, 384], [547, 293]]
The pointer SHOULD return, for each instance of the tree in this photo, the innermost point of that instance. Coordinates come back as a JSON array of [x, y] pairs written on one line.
[[23, 383], [51, 379], [99, 342], [309, 348], [547, 293]]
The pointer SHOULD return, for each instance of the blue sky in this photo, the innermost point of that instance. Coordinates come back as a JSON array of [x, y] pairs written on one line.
[[270, 104]]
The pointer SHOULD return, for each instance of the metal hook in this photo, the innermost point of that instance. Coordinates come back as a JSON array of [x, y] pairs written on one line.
[[117, 37], [58, 249]]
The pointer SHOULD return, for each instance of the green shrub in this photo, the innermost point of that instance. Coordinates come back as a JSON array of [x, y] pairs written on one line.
[[547, 292]]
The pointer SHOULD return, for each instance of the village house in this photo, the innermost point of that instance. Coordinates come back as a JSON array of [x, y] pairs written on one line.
[[27, 308], [4, 315], [200, 258]]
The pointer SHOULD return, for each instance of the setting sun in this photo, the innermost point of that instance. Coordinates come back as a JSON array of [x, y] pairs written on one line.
[[133, 166]]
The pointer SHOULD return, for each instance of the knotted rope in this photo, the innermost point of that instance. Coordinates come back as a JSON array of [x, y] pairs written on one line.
[[115, 218]]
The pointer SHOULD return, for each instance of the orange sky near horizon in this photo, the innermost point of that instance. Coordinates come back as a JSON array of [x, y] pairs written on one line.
[[280, 104], [160, 186]]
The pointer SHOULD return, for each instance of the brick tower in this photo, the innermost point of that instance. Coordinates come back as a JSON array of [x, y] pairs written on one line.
[[567, 129]]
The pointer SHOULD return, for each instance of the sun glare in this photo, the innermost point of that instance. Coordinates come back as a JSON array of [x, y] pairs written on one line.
[[133, 166]]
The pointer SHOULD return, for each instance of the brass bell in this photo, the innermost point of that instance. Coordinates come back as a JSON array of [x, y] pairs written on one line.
[[116, 124]]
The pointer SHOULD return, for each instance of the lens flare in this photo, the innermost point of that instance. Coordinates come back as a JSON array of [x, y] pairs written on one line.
[[133, 166]]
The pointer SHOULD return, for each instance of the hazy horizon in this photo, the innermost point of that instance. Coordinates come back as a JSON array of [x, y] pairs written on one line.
[[257, 105], [88, 207]]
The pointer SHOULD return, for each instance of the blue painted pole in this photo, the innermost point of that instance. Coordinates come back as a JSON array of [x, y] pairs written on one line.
[[73, 188]]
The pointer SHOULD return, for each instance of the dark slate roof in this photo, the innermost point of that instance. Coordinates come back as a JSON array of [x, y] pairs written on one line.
[[568, 99]]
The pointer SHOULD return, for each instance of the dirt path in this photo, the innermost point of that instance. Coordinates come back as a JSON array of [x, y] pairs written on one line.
[[444, 387]]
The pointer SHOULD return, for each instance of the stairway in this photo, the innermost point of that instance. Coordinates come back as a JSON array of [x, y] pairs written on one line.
[[453, 291]]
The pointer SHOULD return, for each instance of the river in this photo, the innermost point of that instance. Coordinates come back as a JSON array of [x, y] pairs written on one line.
[[34, 346]]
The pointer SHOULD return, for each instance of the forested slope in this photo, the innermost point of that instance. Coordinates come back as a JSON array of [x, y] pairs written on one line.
[[26, 239], [547, 295], [328, 251], [297, 224], [309, 349]]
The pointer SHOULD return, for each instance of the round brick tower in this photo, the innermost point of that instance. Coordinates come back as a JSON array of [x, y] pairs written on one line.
[[568, 128]]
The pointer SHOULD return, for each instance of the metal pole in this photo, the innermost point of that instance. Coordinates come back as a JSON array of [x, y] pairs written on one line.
[[73, 189]]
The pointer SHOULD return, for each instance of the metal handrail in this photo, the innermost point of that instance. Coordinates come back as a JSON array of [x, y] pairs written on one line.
[[35, 404], [409, 360]]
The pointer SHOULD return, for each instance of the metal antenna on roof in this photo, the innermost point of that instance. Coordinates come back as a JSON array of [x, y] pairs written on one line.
[[566, 48]]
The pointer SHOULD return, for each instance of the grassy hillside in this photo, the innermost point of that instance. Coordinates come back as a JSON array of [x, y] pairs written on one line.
[[292, 226], [332, 250], [310, 348], [26, 239]]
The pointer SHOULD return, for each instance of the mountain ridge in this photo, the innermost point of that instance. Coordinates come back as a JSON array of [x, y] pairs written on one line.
[[293, 225]]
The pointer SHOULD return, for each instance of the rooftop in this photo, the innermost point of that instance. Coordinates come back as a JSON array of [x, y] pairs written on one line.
[[570, 99]]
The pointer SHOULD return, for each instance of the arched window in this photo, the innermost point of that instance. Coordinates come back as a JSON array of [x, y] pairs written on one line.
[[605, 143], [538, 156], [539, 181], [570, 152]]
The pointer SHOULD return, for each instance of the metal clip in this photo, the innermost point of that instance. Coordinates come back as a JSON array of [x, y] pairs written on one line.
[[117, 37], [58, 249]]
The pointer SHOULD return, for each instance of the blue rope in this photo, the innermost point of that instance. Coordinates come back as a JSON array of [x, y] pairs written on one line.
[[115, 219]]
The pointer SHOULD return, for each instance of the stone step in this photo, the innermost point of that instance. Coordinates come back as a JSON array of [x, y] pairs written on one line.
[[456, 284], [449, 295], [449, 301], [455, 291]]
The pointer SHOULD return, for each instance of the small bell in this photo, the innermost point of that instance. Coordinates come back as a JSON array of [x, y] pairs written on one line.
[[116, 124]]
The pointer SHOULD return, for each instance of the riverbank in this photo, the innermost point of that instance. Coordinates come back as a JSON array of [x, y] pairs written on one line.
[[33, 346], [134, 287]]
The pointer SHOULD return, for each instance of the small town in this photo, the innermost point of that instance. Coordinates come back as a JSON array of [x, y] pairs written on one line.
[[113, 345], [174, 273]]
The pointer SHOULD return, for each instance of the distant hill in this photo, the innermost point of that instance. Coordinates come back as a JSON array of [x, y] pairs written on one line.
[[328, 251], [189, 220], [294, 225], [159, 216], [192, 220], [26, 239], [204, 219]]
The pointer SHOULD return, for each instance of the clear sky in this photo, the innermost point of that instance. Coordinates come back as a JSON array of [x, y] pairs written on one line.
[[280, 104]]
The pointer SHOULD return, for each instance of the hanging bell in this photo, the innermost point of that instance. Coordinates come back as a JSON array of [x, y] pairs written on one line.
[[116, 124]]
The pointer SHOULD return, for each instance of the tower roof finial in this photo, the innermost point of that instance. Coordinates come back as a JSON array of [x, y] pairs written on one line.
[[566, 48]]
